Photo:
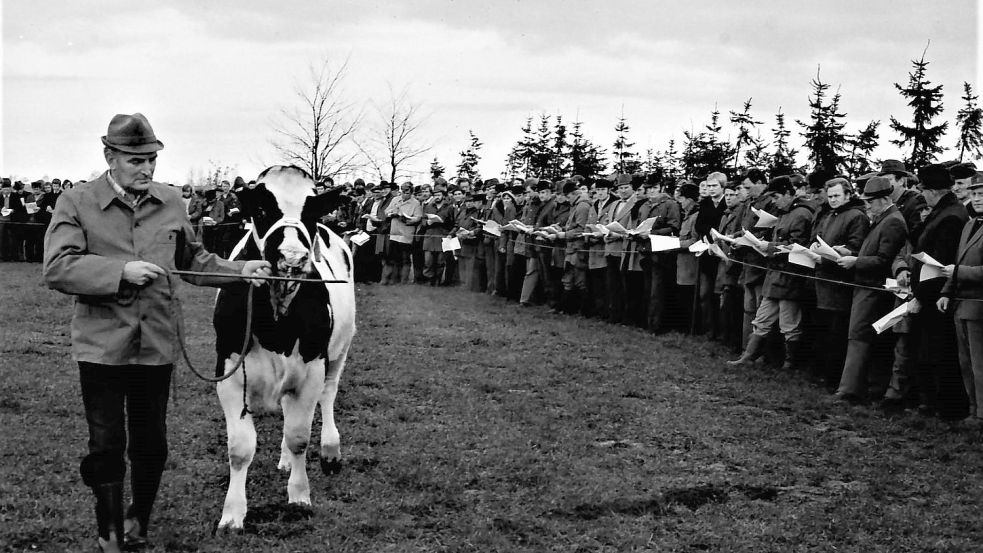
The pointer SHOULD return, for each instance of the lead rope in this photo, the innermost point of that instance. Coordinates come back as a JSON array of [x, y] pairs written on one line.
[[178, 319]]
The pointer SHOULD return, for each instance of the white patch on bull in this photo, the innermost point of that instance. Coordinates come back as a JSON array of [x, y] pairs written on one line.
[[290, 188]]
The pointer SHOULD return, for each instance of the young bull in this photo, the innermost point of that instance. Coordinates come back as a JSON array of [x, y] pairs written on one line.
[[300, 335]]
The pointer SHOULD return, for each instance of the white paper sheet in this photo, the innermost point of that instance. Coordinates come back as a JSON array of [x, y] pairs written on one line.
[[450, 243], [492, 227], [360, 238], [32, 207], [892, 318], [717, 236], [699, 248], [765, 219], [825, 250], [801, 255], [930, 267], [664, 243], [644, 226], [615, 226]]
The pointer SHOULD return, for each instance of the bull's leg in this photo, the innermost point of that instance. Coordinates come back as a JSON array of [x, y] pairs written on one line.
[[284, 463], [330, 438], [242, 447], [298, 415]]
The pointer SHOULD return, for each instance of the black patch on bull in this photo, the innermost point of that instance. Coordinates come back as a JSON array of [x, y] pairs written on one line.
[[308, 321]]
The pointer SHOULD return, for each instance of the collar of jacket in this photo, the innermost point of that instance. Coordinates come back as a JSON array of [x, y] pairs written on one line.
[[904, 197], [105, 194], [661, 197], [805, 203], [891, 209], [946, 201], [852, 203]]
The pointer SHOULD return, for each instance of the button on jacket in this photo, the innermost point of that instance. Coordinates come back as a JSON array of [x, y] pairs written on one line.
[[93, 234]]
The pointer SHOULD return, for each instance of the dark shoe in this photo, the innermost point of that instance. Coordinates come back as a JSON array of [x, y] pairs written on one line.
[[134, 535], [792, 350]]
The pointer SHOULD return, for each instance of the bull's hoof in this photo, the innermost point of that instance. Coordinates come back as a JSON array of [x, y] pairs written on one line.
[[283, 466], [330, 466], [228, 527]]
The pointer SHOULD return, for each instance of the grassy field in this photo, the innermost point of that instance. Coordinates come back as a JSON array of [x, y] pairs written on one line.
[[469, 424]]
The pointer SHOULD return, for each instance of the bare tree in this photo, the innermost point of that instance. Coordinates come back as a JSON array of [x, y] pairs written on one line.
[[315, 134], [395, 142]]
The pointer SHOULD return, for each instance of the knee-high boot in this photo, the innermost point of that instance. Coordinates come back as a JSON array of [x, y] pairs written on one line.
[[754, 350], [109, 515]]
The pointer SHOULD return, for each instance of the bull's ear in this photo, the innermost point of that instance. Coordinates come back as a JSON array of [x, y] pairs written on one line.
[[320, 205]]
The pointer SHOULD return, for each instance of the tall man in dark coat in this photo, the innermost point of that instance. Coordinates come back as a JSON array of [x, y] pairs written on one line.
[[658, 268], [871, 265], [712, 209], [939, 379], [844, 228]]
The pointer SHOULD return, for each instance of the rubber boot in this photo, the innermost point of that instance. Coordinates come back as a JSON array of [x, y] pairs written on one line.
[[109, 515], [754, 350], [792, 350], [560, 305], [572, 306], [404, 273]]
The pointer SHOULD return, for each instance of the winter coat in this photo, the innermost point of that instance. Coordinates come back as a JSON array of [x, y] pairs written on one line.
[[846, 226]]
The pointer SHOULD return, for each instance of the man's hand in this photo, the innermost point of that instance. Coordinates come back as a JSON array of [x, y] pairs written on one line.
[[947, 271], [904, 278], [847, 261], [943, 304], [257, 268], [141, 272], [915, 306]]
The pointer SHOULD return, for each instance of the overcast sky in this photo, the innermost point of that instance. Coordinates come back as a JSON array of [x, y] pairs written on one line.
[[211, 76]]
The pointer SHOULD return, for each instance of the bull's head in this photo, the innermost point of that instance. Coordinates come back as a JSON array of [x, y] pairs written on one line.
[[282, 206]]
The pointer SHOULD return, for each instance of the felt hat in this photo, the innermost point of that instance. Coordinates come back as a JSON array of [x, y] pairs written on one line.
[[544, 185], [976, 181], [962, 170], [131, 134], [934, 177], [781, 185], [570, 185], [894, 167], [531, 181], [877, 187], [602, 183], [622, 179]]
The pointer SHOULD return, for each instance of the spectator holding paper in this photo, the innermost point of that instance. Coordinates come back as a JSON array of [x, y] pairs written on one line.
[[962, 295], [845, 225], [437, 224], [783, 293], [939, 381], [872, 265]]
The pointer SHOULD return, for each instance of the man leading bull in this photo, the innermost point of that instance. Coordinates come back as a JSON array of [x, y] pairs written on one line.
[[110, 244]]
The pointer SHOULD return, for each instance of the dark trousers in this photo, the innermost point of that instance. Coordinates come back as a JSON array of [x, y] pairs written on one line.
[[141, 392], [418, 261], [515, 274], [939, 378], [598, 291], [615, 284], [548, 277], [709, 301], [655, 279], [832, 327], [732, 317], [433, 269]]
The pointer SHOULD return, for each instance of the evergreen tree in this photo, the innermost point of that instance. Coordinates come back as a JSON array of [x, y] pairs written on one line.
[[436, 169], [561, 150], [672, 160], [824, 136], [704, 152], [655, 164], [586, 159], [926, 103], [625, 160], [862, 145], [969, 119], [470, 158], [518, 160], [541, 157], [745, 124], [783, 160], [757, 155]]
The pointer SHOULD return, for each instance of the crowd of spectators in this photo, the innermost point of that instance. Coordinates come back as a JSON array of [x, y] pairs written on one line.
[[792, 270]]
